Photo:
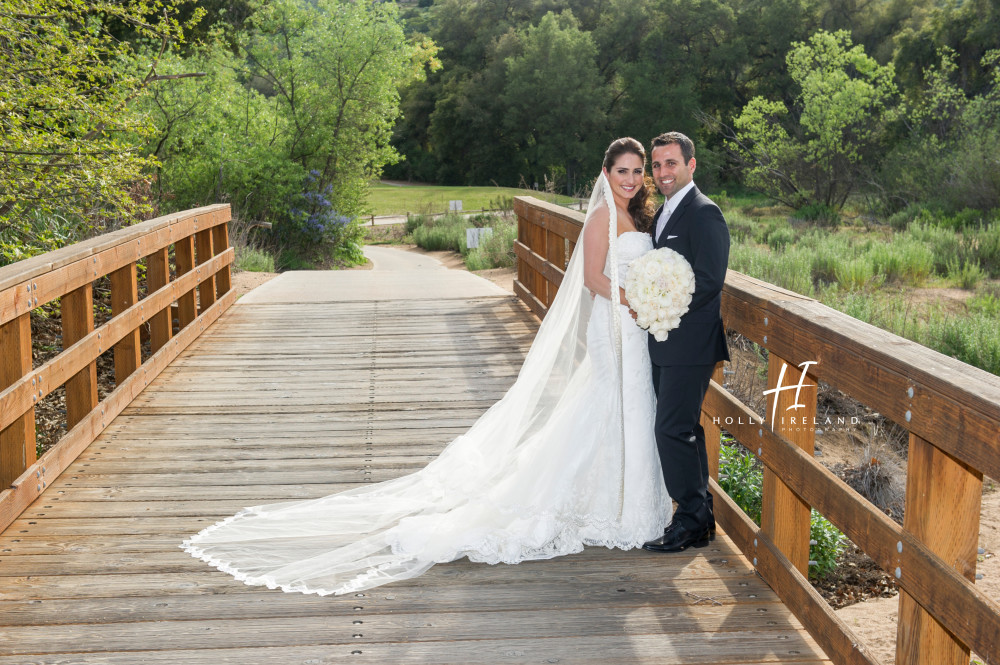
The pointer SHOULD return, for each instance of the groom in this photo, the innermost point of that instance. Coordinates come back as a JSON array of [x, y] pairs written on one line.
[[692, 225]]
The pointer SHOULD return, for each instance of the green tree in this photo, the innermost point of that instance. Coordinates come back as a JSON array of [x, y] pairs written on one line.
[[556, 101], [66, 124], [818, 153], [334, 69], [958, 132]]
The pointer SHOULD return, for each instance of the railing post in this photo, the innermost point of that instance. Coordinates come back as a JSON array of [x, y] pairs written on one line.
[[124, 294], [17, 441], [158, 276], [220, 243], [206, 289], [943, 501], [555, 253], [187, 310], [713, 433], [78, 322], [536, 283], [791, 411]]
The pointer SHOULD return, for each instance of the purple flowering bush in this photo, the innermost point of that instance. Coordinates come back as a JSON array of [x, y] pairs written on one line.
[[314, 230]]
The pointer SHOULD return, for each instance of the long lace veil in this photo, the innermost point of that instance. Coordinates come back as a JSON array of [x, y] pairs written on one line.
[[398, 529]]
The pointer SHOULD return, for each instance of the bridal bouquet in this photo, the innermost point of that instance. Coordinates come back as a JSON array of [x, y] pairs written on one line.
[[659, 288]]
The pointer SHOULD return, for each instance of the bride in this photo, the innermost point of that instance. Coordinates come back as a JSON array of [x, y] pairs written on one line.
[[566, 458]]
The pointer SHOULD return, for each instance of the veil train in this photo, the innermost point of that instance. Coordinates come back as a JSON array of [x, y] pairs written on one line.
[[504, 491]]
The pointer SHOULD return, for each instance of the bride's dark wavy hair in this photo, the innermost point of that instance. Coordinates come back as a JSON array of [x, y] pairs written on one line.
[[641, 205]]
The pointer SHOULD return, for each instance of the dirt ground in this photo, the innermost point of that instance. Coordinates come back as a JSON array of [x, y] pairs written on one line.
[[245, 282], [873, 620]]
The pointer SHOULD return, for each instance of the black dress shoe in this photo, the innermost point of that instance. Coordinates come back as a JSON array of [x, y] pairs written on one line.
[[677, 539]]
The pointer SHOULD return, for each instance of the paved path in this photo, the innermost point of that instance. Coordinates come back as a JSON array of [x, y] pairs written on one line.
[[397, 275]]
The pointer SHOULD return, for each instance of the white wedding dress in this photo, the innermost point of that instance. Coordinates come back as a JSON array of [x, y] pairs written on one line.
[[566, 458]]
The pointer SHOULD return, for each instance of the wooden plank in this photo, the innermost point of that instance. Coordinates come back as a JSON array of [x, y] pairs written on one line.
[[463, 573], [78, 322], [17, 434], [157, 277], [958, 604], [265, 604], [791, 401], [125, 294], [727, 648], [459, 626], [174, 560], [536, 305], [943, 501]]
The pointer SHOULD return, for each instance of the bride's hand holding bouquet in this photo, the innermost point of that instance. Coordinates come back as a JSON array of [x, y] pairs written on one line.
[[659, 287]]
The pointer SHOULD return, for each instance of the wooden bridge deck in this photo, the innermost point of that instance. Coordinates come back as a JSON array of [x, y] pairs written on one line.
[[285, 399]]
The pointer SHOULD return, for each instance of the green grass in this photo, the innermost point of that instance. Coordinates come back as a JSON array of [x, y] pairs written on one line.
[[401, 199], [253, 259], [869, 274]]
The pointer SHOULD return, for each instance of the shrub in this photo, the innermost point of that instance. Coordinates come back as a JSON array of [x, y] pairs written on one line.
[[414, 222], [963, 219], [826, 542], [316, 231], [986, 303], [820, 213], [945, 245], [791, 270], [903, 260], [857, 274], [254, 259], [966, 275], [497, 250], [973, 339], [984, 245], [889, 312], [740, 226], [778, 238], [442, 233], [741, 476]]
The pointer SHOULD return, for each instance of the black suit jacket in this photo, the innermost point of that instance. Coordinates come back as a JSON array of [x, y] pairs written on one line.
[[698, 232]]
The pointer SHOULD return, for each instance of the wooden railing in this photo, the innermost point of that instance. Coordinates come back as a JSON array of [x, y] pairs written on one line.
[[187, 266], [952, 413]]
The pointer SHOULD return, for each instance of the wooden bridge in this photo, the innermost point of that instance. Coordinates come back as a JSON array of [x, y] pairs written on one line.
[[319, 382]]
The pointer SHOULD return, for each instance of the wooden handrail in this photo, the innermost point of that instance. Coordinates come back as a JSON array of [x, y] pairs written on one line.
[[952, 411], [201, 289]]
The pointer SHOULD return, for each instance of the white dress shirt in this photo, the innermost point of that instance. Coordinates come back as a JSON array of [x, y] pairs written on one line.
[[669, 205]]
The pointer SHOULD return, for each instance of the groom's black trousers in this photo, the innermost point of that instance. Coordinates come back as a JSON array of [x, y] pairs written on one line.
[[680, 440]]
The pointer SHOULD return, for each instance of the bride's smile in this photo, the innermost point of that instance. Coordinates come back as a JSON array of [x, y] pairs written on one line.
[[625, 178]]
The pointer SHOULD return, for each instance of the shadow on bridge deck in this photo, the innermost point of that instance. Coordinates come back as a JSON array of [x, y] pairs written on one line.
[[315, 384]]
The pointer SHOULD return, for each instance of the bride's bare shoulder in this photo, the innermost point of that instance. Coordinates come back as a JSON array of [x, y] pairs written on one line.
[[599, 217]]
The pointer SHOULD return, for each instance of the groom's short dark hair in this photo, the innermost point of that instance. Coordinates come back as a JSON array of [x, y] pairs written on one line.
[[686, 144]]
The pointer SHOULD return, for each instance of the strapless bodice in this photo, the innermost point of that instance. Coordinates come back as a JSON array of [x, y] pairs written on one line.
[[630, 246]]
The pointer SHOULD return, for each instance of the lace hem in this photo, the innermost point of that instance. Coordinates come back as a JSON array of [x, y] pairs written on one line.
[[493, 548]]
